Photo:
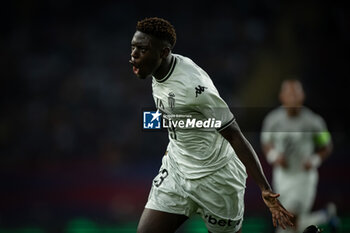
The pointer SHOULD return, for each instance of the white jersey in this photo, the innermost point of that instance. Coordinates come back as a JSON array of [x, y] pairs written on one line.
[[187, 91], [294, 137]]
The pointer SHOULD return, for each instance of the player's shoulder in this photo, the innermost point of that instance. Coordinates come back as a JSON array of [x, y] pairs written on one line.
[[189, 69], [184, 62], [309, 112], [275, 113], [274, 118], [193, 77], [312, 117], [182, 59]]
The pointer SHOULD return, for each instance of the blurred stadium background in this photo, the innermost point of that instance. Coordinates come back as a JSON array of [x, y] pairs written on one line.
[[73, 157]]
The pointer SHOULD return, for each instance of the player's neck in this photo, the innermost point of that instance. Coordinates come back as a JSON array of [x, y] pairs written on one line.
[[164, 68], [293, 112]]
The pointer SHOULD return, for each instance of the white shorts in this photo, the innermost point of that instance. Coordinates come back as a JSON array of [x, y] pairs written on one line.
[[218, 198], [298, 190]]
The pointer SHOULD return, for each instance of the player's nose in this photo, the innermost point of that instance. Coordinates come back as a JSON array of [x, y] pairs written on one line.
[[134, 53]]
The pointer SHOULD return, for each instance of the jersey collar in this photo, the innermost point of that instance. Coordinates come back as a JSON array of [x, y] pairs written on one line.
[[172, 66]]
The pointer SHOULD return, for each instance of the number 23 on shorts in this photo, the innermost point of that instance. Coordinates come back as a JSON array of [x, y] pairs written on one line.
[[163, 173]]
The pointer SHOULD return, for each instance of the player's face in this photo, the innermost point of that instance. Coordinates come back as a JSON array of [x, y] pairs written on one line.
[[145, 54], [292, 94]]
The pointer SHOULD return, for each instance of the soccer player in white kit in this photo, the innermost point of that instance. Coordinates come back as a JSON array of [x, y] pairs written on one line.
[[204, 168], [295, 141]]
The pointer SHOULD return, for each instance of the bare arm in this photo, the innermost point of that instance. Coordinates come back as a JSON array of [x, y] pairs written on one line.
[[247, 155], [322, 152]]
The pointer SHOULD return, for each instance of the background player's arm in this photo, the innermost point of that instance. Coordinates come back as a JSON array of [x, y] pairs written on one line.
[[273, 157], [247, 155], [325, 151], [323, 143], [324, 148]]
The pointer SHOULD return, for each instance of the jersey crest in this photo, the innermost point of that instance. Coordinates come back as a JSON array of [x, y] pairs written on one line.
[[171, 100]]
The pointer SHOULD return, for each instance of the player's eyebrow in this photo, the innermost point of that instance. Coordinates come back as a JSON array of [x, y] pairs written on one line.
[[141, 45]]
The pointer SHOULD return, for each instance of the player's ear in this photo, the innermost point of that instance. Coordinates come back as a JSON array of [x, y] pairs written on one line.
[[165, 52]]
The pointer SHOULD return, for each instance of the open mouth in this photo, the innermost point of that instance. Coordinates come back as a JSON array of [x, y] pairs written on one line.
[[135, 67]]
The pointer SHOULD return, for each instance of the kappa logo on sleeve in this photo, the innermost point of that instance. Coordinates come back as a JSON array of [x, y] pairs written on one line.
[[199, 90]]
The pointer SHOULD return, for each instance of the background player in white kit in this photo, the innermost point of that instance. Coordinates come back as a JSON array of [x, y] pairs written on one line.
[[295, 141], [200, 172]]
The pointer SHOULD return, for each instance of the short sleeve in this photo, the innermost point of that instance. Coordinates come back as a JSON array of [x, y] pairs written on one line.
[[209, 103], [322, 136]]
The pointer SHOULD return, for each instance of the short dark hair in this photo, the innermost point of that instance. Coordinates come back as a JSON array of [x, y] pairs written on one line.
[[159, 28]]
